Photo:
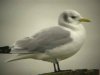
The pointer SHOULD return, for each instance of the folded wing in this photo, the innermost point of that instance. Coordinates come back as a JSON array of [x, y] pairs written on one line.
[[45, 40]]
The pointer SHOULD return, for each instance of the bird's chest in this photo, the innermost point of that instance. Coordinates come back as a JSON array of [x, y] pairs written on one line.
[[78, 39], [71, 48]]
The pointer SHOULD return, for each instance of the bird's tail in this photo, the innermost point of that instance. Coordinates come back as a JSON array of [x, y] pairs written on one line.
[[20, 57], [5, 49]]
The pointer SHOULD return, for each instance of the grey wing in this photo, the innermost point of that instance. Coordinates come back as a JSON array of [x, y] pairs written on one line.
[[46, 40], [20, 45], [49, 39]]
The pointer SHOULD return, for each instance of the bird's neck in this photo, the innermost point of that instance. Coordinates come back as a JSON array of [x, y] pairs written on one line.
[[73, 27], [68, 26]]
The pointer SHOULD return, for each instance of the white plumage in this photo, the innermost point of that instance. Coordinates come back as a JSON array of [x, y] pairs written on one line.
[[58, 42]]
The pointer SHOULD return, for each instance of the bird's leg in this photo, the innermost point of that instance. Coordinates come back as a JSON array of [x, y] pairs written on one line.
[[57, 65], [55, 70]]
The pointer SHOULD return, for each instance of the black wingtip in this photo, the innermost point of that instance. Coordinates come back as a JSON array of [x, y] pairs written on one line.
[[5, 49]]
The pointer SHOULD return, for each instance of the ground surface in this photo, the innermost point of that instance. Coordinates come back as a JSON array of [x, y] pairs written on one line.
[[75, 72]]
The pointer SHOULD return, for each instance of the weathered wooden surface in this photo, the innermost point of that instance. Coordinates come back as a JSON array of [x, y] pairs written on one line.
[[75, 72]]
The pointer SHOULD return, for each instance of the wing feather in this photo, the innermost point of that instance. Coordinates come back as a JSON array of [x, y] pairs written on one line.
[[46, 40]]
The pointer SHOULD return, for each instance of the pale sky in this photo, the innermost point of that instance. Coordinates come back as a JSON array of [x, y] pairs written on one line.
[[22, 18]]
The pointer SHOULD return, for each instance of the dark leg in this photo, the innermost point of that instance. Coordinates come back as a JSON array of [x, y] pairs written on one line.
[[58, 65], [55, 70]]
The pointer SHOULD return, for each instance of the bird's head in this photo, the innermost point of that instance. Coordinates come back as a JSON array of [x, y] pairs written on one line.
[[71, 17]]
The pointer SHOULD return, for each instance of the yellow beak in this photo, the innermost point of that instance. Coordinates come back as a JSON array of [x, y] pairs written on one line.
[[84, 20]]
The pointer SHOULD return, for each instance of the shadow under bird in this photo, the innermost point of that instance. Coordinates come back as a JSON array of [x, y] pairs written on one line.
[[55, 43]]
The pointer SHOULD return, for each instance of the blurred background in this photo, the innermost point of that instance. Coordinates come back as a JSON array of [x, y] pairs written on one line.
[[22, 18]]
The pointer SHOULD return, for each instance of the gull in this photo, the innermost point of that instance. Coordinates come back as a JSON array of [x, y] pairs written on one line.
[[55, 43]]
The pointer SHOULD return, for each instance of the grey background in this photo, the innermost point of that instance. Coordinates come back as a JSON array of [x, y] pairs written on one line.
[[22, 18]]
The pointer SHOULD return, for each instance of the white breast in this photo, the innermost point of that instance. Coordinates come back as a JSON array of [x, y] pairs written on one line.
[[71, 48]]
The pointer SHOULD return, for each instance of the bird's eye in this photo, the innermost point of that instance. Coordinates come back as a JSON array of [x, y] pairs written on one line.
[[73, 17]]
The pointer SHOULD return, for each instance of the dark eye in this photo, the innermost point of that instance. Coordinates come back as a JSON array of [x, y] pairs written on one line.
[[73, 17]]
